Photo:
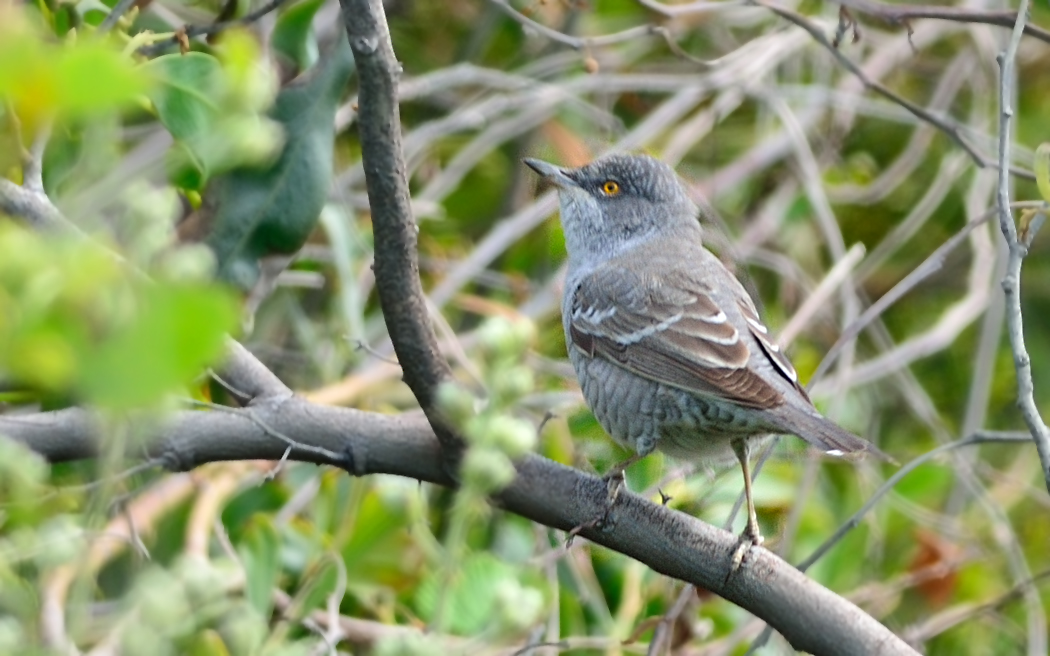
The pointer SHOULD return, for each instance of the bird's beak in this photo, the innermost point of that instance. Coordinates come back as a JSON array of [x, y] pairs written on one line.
[[553, 174]]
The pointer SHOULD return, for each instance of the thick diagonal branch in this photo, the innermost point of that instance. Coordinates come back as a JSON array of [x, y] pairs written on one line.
[[811, 617]]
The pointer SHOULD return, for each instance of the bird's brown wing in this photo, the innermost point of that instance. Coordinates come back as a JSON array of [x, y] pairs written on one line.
[[671, 331]]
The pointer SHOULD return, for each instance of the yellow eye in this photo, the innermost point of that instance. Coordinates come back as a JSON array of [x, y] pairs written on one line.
[[610, 187]]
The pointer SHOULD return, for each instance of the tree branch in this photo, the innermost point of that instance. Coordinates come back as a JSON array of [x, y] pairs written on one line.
[[901, 14], [191, 31], [28, 205], [1018, 251], [811, 617], [396, 258]]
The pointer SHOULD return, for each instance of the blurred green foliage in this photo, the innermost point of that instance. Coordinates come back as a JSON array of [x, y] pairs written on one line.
[[254, 558]]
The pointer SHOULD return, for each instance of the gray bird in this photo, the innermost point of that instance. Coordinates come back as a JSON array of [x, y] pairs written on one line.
[[667, 345]]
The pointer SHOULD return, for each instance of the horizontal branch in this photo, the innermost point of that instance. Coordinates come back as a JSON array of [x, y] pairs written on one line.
[[903, 13], [811, 617]]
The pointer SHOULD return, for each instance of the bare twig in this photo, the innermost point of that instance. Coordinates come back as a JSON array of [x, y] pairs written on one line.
[[698, 7], [902, 13], [34, 208], [929, 266], [1037, 638], [820, 296], [917, 150], [579, 43], [1018, 250], [33, 166], [947, 126], [191, 31], [114, 15], [956, 615], [662, 634], [983, 437], [116, 537]]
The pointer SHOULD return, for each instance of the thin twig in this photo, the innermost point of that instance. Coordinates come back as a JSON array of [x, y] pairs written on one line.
[[191, 31], [114, 15], [952, 617], [579, 43], [1018, 250], [948, 127], [247, 413], [662, 634], [902, 13], [929, 266], [1037, 637], [698, 7], [33, 164], [32, 207], [851, 523]]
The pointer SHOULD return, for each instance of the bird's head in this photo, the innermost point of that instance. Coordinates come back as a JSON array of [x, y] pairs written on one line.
[[616, 202]]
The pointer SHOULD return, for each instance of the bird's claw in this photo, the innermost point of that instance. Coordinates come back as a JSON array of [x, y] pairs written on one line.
[[748, 539], [615, 483]]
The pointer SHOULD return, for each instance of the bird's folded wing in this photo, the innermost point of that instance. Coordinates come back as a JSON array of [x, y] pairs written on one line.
[[769, 347], [670, 331]]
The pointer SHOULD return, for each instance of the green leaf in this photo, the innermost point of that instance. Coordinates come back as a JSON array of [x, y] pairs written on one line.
[[41, 78], [255, 212], [207, 643], [1041, 165], [467, 595], [292, 36], [185, 100], [64, 151], [184, 96], [92, 11], [259, 550], [177, 331], [376, 546], [211, 108]]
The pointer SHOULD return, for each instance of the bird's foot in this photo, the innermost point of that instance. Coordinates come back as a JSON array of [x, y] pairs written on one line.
[[748, 539], [614, 484]]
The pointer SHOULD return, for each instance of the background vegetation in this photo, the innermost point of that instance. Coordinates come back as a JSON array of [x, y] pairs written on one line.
[[207, 170]]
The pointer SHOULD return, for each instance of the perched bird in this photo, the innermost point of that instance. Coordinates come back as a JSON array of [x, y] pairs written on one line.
[[669, 348]]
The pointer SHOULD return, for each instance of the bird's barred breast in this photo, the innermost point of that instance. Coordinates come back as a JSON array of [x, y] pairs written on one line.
[[642, 415]]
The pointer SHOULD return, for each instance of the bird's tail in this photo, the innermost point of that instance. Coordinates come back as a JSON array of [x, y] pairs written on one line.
[[826, 435]]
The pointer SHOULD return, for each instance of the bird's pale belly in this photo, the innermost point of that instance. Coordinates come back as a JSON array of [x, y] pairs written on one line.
[[643, 415]]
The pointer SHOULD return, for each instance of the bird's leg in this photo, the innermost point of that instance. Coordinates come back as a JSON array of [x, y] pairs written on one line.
[[751, 535], [614, 480]]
